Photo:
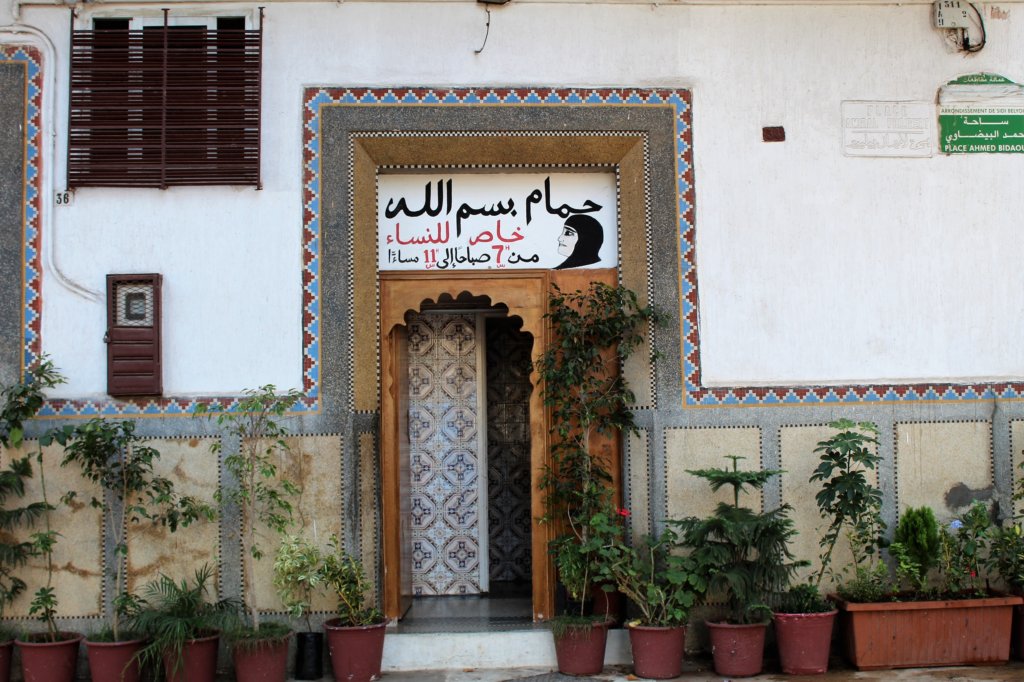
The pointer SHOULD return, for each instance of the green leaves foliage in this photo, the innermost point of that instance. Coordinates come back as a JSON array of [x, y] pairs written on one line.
[[20, 403], [916, 545], [850, 503], [171, 613], [255, 488], [662, 583], [344, 575], [745, 553], [298, 574], [112, 456], [593, 332]]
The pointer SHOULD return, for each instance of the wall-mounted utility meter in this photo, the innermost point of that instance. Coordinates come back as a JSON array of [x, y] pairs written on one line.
[[950, 14]]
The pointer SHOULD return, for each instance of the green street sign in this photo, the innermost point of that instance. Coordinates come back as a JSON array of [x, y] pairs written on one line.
[[981, 113]]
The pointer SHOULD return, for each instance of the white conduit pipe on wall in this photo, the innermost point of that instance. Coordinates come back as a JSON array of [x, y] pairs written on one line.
[[15, 34]]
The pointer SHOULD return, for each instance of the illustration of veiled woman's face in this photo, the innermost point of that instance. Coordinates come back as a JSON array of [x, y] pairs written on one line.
[[567, 241]]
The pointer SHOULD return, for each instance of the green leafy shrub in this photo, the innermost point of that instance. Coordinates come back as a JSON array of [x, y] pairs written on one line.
[[745, 553], [916, 546]]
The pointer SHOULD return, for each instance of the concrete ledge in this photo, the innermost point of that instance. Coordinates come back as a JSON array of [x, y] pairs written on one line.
[[502, 649]]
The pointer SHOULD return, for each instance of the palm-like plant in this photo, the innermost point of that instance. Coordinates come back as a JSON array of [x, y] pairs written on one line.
[[745, 553], [172, 613]]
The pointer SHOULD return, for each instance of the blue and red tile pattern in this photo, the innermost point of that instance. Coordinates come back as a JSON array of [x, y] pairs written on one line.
[[693, 393]]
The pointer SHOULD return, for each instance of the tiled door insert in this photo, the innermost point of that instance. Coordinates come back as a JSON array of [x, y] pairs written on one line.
[[444, 454], [508, 450]]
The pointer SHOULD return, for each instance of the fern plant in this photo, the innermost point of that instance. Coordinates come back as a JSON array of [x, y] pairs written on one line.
[[172, 613], [745, 553]]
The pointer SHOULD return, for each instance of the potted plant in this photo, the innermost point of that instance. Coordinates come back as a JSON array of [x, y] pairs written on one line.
[[1006, 561], [663, 585], [111, 455], [50, 655], [747, 557], [261, 498], [593, 332], [298, 575], [804, 620], [183, 626], [947, 616], [355, 638], [21, 402]]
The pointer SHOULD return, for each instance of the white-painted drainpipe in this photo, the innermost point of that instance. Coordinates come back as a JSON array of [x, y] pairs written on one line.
[[48, 157]]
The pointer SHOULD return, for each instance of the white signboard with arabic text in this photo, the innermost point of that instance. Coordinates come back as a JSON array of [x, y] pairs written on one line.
[[477, 221]]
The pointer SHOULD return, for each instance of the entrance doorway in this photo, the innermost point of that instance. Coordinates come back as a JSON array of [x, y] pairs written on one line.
[[467, 411], [524, 295]]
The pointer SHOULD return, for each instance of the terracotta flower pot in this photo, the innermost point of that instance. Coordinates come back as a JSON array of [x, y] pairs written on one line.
[[265, 661], [6, 649], [114, 661], [198, 661], [804, 641], [738, 650], [45, 661], [657, 651], [580, 650], [356, 652], [917, 634], [309, 655]]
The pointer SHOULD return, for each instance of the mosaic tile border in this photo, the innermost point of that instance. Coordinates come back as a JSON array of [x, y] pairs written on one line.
[[694, 395], [32, 266], [317, 97]]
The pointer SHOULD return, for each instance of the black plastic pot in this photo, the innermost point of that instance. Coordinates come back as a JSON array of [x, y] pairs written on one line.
[[309, 655]]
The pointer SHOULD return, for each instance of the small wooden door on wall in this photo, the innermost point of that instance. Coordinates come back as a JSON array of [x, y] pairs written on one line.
[[133, 335]]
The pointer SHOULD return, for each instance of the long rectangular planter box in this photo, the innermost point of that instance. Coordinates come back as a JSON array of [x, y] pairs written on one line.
[[917, 634]]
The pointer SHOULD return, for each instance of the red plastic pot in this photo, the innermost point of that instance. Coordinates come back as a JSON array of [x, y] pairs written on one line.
[[804, 641], [580, 650], [266, 661], [657, 651], [45, 661], [6, 649], [356, 651], [114, 661], [198, 661], [738, 650]]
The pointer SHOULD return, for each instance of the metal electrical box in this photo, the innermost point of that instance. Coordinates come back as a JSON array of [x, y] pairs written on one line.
[[950, 14]]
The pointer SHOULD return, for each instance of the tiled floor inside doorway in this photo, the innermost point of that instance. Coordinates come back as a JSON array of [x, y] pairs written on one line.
[[502, 609]]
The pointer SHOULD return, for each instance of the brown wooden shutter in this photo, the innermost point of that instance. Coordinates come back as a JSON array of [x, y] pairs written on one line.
[[165, 106], [133, 335]]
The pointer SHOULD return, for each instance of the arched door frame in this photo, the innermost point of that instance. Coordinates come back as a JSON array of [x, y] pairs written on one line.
[[525, 293]]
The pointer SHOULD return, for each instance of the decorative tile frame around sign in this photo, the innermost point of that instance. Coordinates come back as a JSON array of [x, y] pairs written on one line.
[[693, 394]]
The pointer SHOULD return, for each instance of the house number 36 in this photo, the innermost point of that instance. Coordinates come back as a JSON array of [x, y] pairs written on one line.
[[64, 197]]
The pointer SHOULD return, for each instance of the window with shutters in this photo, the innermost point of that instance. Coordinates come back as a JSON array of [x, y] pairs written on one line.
[[133, 335], [159, 105]]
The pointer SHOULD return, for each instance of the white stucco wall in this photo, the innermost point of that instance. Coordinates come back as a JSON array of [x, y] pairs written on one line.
[[813, 267]]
